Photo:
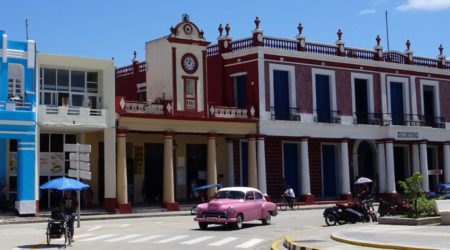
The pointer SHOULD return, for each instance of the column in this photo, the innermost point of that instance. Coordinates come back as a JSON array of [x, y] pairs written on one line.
[[262, 183], [230, 163], [168, 192], [252, 174], [415, 158], [4, 163], [424, 165], [26, 174], [306, 195], [122, 192], [390, 168], [212, 164], [109, 145], [345, 169], [447, 162], [381, 168]]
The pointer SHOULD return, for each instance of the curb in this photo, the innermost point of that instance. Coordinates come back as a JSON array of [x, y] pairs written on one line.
[[97, 217], [275, 244], [375, 245], [291, 245]]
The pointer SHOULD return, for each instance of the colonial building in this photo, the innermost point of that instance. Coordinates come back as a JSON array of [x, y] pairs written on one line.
[[322, 115], [331, 113], [18, 169], [184, 133], [77, 105]]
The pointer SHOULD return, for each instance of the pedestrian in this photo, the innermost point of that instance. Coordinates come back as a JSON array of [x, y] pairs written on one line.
[[290, 196]]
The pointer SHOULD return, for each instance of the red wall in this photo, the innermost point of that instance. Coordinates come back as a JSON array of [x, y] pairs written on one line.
[[220, 84], [126, 85]]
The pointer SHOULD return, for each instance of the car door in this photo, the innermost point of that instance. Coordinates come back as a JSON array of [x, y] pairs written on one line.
[[259, 204], [250, 206]]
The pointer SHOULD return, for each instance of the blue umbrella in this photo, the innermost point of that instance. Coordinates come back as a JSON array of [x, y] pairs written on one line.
[[64, 184], [206, 187]]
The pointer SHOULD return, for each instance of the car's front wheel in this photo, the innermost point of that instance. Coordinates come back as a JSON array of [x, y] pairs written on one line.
[[203, 225], [238, 224], [268, 219]]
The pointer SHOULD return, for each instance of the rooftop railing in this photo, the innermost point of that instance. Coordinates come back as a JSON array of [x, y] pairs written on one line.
[[129, 70], [332, 50]]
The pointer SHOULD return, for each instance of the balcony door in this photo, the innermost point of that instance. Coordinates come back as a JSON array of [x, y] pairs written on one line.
[[361, 101], [281, 94], [323, 98], [428, 105], [397, 109], [239, 91]]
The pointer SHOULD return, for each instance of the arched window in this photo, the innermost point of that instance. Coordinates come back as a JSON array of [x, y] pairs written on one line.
[[15, 80]]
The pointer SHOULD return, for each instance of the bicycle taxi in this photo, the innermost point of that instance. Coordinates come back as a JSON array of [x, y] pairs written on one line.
[[61, 224], [57, 227]]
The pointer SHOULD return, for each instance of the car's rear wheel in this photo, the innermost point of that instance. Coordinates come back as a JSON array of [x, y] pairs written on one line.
[[238, 224], [203, 225], [268, 219]]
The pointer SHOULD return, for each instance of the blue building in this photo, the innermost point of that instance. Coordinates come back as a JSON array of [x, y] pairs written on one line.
[[18, 122]]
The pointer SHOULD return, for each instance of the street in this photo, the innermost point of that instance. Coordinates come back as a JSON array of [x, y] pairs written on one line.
[[171, 232]]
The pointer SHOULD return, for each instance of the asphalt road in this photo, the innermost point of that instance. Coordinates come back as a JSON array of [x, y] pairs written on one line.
[[171, 232]]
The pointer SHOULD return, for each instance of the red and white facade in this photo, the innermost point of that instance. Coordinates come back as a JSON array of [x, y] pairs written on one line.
[[294, 112]]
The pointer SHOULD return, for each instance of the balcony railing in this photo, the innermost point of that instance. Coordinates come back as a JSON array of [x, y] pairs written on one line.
[[231, 112], [293, 115], [367, 118], [431, 121], [331, 116], [332, 50], [16, 106], [145, 108], [66, 116]]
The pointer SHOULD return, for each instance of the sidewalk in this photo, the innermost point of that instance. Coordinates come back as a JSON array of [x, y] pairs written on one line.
[[97, 214], [372, 235]]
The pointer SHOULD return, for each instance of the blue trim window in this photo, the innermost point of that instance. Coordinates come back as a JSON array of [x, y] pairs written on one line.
[[15, 81]]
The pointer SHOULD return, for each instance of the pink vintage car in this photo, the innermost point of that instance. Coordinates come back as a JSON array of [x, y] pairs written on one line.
[[233, 206]]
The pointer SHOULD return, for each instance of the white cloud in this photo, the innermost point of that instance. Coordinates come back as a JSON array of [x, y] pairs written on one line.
[[367, 12], [430, 5]]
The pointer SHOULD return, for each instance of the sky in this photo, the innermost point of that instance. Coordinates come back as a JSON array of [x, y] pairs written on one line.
[[106, 29]]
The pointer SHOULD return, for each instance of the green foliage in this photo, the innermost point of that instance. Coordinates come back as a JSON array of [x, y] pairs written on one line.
[[413, 192], [425, 207]]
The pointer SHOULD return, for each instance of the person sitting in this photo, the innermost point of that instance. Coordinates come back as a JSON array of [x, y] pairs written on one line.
[[69, 206]]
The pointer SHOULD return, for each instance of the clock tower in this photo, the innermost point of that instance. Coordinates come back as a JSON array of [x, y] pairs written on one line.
[[175, 69]]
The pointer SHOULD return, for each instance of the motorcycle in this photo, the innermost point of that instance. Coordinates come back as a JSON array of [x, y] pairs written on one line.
[[352, 212]]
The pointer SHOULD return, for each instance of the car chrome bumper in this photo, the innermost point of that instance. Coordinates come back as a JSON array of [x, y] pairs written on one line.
[[215, 219]]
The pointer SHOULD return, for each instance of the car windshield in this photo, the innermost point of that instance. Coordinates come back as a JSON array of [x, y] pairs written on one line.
[[237, 195]]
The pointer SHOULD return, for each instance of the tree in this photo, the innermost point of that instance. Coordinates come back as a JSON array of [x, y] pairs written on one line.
[[412, 190]]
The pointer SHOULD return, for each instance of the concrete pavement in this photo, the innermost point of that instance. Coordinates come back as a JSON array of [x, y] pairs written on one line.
[[370, 236], [367, 235]]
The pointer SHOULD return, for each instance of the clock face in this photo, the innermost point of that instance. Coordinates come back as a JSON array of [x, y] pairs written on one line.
[[187, 29], [189, 63]]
